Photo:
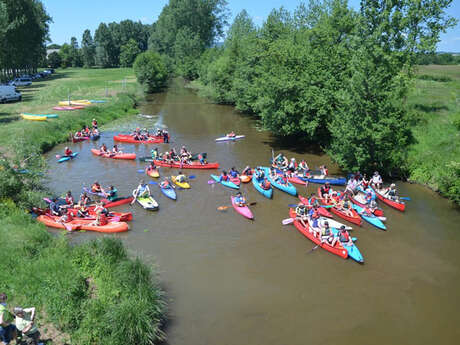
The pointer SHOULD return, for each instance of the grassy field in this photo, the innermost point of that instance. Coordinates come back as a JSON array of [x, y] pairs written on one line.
[[93, 293], [435, 159]]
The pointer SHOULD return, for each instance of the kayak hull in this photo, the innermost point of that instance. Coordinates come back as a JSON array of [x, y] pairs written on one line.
[[84, 224], [169, 192], [33, 117], [230, 138], [355, 218], [400, 206], [334, 181], [244, 210], [79, 139], [228, 184], [67, 158], [117, 201], [289, 188], [148, 203], [268, 193], [373, 220], [184, 185], [187, 166], [129, 139], [358, 201], [153, 173], [48, 116], [128, 156]]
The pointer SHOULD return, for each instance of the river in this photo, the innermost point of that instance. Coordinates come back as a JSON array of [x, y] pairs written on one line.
[[232, 281]]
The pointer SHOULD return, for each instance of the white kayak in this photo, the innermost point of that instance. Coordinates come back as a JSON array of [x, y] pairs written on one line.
[[333, 223], [226, 138]]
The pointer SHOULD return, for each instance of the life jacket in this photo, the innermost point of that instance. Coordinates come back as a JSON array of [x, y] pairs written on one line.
[[103, 219], [325, 189], [344, 236], [68, 152], [326, 231], [224, 177], [69, 200]]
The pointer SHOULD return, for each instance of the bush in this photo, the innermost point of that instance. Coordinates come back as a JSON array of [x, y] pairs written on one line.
[[151, 72]]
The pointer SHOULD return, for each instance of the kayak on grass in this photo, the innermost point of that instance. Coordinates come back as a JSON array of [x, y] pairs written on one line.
[[80, 102], [129, 156], [288, 188], [126, 138], [184, 185], [266, 192], [353, 218], [193, 165], [227, 138], [48, 116], [243, 210], [83, 224], [33, 117], [400, 206], [67, 108], [371, 219], [228, 184], [168, 191], [66, 158]]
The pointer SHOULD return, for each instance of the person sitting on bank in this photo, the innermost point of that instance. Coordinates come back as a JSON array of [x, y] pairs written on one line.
[[7, 329], [25, 323]]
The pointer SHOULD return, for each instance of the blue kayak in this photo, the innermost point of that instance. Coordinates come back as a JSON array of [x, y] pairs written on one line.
[[169, 192], [353, 251], [375, 221], [288, 188], [268, 193], [48, 116], [337, 181], [66, 158], [228, 184]]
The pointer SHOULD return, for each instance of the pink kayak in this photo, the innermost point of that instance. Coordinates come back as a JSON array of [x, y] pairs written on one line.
[[244, 211]]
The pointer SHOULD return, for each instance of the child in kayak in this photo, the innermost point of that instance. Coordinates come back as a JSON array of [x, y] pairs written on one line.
[[103, 149], [116, 150], [67, 152], [376, 180], [240, 200], [224, 176], [233, 172]]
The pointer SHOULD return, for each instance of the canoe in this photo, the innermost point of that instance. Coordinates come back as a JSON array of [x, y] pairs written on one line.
[[228, 184], [288, 188], [322, 211], [66, 158], [83, 224], [168, 192], [184, 185], [268, 193], [338, 249], [148, 203], [117, 201], [373, 220], [193, 165], [48, 116], [79, 139], [33, 117], [338, 181], [243, 210], [354, 218], [67, 108], [129, 139], [226, 138], [360, 200], [129, 156], [152, 173], [400, 206]]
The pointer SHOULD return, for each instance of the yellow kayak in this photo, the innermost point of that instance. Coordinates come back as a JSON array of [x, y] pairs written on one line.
[[153, 173], [33, 117], [77, 102], [184, 185]]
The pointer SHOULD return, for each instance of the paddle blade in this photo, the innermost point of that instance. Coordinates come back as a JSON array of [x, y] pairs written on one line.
[[211, 182], [140, 171], [222, 208], [153, 182], [191, 177], [287, 221], [293, 205], [405, 198]]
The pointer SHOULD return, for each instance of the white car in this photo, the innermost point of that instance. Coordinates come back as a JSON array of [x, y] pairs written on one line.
[[9, 93], [21, 82]]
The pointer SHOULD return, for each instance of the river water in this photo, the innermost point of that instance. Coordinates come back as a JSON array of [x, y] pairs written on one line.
[[232, 281]]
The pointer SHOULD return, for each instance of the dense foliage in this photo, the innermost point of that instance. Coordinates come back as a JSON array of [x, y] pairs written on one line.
[[331, 75], [23, 34], [439, 59], [150, 71]]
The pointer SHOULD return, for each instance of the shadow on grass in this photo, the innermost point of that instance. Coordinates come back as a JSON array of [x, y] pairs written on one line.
[[7, 118], [430, 108]]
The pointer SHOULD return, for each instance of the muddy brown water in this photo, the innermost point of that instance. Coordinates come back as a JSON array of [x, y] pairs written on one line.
[[232, 281]]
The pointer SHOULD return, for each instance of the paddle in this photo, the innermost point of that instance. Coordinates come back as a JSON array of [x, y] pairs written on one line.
[[153, 182], [135, 198], [141, 171], [405, 198], [222, 208], [212, 182], [323, 206], [287, 221], [314, 248]]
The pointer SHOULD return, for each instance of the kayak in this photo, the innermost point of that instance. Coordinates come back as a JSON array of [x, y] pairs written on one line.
[[338, 181], [97, 101], [114, 156], [243, 210], [245, 178], [372, 219], [121, 216], [400, 206], [153, 173], [228, 184], [360, 200], [352, 250], [79, 139], [117, 201], [48, 116], [83, 224], [235, 180], [288, 188], [66, 158], [268, 193], [184, 185], [130, 139], [193, 165], [333, 223], [148, 203], [33, 117], [76, 107], [226, 138], [354, 218], [338, 249], [82, 102], [169, 192], [321, 210]]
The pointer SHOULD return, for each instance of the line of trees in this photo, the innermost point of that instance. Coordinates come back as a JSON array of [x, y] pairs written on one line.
[[24, 28]]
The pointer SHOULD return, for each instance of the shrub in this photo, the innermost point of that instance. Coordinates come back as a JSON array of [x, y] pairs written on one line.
[[150, 71]]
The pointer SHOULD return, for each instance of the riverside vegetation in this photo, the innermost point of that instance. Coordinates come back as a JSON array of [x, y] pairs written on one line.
[[94, 292]]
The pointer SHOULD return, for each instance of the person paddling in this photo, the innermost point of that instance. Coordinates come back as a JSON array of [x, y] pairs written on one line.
[[376, 180], [247, 171], [391, 193], [344, 236], [155, 154], [103, 149], [181, 178], [67, 152], [142, 190], [111, 193], [231, 134], [240, 200], [233, 172], [224, 176], [116, 150], [69, 199]]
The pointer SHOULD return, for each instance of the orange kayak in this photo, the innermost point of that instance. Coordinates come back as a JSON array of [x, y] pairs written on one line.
[[83, 224]]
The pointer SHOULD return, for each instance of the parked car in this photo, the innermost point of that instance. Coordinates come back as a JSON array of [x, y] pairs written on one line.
[[21, 82], [49, 71], [37, 76], [9, 93]]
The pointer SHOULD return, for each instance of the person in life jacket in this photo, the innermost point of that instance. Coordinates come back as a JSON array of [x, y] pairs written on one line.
[[324, 170], [303, 166], [142, 190], [78, 134], [116, 150], [67, 152], [364, 182], [201, 159], [370, 195], [96, 188], [314, 216], [327, 236], [165, 136], [273, 174], [181, 178], [233, 172], [302, 214], [111, 193], [69, 200], [240, 200], [55, 208], [151, 167], [283, 179], [373, 206], [376, 180], [164, 184], [345, 206], [352, 184], [155, 153], [260, 174], [231, 134], [292, 165], [247, 171], [391, 193], [344, 236], [103, 148], [101, 219], [7, 328], [84, 200], [94, 123], [326, 191], [224, 176], [87, 131]]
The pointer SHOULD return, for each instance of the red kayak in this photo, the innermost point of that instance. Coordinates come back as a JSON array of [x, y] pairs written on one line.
[[117, 202], [322, 211], [79, 139], [360, 200], [338, 249], [294, 179], [400, 206], [355, 218], [193, 165], [130, 156], [125, 138]]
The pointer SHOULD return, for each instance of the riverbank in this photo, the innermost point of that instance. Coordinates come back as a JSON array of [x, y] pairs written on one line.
[[85, 290]]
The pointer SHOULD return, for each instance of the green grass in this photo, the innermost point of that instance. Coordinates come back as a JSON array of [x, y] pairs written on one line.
[[435, 159]]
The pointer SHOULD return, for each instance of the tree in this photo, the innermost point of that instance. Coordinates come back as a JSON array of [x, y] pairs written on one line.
[[129, 52], [150, 71], [106, 50], [53, 46], [75, 54], [66, 55], [88, 49], [54, 60]]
